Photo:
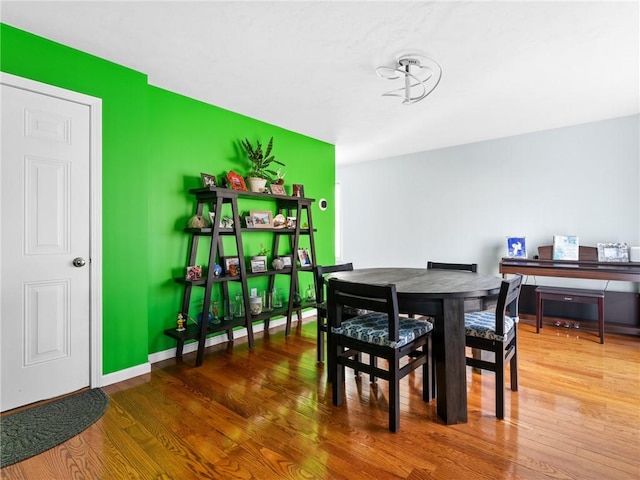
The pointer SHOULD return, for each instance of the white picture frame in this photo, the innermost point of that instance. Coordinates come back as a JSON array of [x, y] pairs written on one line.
[[258, 266], [613, 252], [304, 257]]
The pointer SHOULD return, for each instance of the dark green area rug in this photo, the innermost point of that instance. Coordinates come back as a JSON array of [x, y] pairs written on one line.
[[32, 431]]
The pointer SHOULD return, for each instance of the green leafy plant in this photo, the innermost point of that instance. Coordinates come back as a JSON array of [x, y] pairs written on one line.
[[259, 161], [263, 250]]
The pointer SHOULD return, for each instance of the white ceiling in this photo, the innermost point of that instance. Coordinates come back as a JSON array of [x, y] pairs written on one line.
[[508, 67]]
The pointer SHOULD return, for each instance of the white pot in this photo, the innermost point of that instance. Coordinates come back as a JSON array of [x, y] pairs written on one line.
[[257, 184]]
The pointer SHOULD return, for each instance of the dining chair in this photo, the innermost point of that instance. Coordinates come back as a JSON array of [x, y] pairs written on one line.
[[380, 333], [320, 272], [497, 332], [467, 267]]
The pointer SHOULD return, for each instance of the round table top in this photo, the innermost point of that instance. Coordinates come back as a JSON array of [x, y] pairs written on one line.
[[422, 282]]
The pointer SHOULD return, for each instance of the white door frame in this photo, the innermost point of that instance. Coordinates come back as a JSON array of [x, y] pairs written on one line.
[[95, 210]]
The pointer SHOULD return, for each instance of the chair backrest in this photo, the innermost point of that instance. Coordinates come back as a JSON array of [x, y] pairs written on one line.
[[363, 296], [467, 267], [319, 273], [507, 301]]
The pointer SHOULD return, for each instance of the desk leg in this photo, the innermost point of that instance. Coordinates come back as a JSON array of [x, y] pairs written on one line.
[[451, 375]]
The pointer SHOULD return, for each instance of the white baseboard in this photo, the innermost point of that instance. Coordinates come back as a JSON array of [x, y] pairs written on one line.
[[126, 374]]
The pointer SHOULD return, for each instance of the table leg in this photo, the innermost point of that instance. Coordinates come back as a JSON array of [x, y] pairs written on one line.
[[451, 376]]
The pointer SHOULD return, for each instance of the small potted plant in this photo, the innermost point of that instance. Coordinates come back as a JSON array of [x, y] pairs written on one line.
[[260, 164], [261, 255]]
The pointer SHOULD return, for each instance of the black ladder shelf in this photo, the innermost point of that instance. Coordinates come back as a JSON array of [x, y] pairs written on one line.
[[216, 197]]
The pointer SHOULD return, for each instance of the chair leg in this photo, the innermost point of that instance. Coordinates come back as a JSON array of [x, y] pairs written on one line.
[[337, 385], [373, 361], [331, 349], [434, 383], [427, 374], [320, 339], [499, 384], [477, 354], [513, 366], [394, 395]]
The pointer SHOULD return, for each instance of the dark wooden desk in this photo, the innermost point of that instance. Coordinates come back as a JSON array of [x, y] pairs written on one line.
[[584, 269], [627, 271], [440, 294]]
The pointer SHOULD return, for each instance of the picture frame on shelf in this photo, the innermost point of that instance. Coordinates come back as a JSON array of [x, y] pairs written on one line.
[[231, 265], [291, 222], [277, 189], [248, 220], [516, 247], [287, 260], [304, 257], [258, 266], [235, 181], [262, 218], [298, 190], [613, 252], [208, 180], [193, 272]]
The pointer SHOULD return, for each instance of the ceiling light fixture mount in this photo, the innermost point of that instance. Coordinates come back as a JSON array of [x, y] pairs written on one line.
[[420, 74]]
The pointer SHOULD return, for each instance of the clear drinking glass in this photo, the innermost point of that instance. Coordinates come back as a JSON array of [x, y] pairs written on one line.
[[277, 298], [267, 301], [228, 309], [239, 306]]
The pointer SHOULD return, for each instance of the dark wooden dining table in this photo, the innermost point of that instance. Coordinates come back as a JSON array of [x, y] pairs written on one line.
[[440, 294]]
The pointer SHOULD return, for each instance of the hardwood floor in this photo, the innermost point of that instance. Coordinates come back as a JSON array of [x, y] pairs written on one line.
[[267, 414]]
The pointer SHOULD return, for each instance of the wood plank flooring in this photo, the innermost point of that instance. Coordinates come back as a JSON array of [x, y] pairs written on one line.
[[267, 414]]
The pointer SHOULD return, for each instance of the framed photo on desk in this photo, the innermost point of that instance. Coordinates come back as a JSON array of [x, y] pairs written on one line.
[[613, 252], [516, 247]]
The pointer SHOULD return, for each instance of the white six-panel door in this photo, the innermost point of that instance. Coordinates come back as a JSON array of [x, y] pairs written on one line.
[[46, 319]]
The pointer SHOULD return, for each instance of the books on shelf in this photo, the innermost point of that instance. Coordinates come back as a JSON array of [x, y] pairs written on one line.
[[566, 247]]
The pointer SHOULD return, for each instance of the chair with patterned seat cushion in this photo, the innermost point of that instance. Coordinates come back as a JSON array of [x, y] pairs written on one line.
[[320, 272], [497, 332], [380, 333]]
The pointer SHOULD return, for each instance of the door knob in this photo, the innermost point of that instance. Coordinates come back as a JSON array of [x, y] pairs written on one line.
[[79, 262]]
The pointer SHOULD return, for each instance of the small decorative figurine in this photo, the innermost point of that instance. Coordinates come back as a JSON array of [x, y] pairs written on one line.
[[181, 322], [217, 270], [297, 299], [226, 222], [197, 221], [279, 221]]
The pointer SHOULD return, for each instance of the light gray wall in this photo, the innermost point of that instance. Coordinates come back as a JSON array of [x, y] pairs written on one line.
[[458, 204]]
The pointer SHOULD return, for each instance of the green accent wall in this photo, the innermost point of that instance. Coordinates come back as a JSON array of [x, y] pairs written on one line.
[[155, 145]]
